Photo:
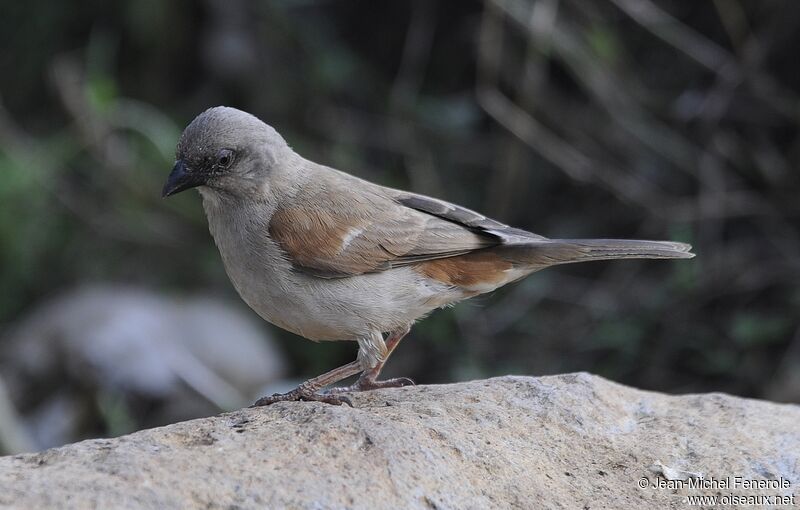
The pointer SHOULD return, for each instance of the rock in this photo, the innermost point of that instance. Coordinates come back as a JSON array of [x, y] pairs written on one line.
[[569, 441]]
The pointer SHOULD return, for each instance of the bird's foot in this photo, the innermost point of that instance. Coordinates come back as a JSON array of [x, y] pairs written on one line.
[[303, 394], [371, 384], [397, 382]]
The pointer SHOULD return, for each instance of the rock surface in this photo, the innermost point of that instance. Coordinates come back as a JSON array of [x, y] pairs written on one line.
[[570, 441]]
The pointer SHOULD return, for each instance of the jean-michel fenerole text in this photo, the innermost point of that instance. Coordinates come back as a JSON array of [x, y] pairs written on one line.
[[728, 482]]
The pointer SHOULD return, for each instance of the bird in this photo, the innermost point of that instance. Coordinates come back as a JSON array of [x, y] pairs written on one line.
[[332, 257]]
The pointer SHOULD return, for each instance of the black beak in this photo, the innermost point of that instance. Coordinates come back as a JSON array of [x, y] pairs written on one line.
[[180, 179]]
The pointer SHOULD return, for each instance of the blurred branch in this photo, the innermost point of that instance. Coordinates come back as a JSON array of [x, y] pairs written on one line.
[[511, 175], [405, 91], [678, 35], [416, 54], [734, 19], [577, 165], [708, 53], [617, 99]]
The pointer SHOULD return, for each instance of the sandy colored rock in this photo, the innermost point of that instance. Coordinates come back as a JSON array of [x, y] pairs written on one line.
[[570, 441]]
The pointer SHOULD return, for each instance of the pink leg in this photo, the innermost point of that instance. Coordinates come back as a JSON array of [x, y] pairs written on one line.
[[369, 378]]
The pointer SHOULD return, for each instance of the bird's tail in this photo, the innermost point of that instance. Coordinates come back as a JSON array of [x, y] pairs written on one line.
[[547, 252]]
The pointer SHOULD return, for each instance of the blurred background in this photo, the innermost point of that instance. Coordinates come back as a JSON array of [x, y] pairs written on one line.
[[653, 119]]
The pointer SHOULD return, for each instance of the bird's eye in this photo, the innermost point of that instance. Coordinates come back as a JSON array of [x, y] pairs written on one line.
[[225, 158]]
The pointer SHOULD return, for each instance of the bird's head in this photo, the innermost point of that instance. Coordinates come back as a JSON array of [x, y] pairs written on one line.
[[226, 150]]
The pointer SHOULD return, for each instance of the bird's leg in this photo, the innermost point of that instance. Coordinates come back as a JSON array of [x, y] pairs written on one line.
[[368, 380], [309, 390]]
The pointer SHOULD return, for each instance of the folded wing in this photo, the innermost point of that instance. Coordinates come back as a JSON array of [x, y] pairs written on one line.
[[344, 227]]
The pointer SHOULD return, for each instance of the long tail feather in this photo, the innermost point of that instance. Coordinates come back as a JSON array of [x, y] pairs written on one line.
[[565, 251]]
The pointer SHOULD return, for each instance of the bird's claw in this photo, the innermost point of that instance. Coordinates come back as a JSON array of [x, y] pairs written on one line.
[[307, 396], [397, 382], [368, 384]]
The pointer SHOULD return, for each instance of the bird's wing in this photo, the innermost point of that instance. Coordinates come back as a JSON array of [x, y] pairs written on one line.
[[343, 226], [464, 217]]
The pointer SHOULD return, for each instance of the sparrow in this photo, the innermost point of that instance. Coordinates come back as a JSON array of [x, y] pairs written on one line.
[[329, 256]]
